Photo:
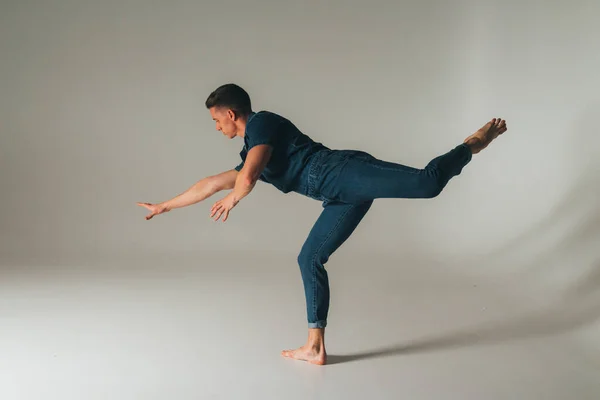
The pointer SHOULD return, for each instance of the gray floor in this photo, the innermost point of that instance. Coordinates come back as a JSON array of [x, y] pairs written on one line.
[[211, 326]]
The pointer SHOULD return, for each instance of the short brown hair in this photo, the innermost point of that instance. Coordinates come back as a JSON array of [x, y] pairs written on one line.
[[231, 96]]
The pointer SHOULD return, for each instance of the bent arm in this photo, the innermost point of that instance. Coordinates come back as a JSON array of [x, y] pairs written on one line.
[[203, 189], [255, 163]]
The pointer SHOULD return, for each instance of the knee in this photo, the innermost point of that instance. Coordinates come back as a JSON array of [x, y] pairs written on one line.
[[305, 258], [432, 187], [434, 191], [310, 257]]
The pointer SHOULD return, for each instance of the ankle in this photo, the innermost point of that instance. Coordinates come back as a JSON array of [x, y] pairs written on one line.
[[473, 143], [315, 348]]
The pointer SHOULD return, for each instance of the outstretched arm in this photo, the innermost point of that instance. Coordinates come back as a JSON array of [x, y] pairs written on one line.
[[201, 190]]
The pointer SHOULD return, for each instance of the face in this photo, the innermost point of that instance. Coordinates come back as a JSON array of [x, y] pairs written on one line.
[[224, 121]]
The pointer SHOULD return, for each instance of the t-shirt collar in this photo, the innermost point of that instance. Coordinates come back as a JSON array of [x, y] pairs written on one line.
[[250, 116]]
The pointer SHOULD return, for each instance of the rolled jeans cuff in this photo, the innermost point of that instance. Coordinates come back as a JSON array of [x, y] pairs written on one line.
[[318, 324]]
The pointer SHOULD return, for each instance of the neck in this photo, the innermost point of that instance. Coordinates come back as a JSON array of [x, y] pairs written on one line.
[[241, 126]]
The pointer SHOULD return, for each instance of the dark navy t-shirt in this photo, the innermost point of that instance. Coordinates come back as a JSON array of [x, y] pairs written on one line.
[[291, 148]]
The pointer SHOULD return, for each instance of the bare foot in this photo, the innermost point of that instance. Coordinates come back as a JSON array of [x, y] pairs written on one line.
[[311, 354], [484, 136]]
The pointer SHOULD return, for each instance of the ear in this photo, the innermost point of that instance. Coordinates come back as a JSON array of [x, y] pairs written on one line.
[[231, 114]]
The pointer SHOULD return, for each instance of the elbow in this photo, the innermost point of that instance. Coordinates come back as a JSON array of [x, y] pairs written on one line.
[[248, 180]]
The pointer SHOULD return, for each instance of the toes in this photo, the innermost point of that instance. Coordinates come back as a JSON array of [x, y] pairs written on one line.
[[289, 354]]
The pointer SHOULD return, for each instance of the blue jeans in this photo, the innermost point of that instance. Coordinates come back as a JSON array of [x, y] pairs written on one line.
[[347, 181]]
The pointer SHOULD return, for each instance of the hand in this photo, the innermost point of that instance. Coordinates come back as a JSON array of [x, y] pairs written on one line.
[[223, 206], [155, 209]]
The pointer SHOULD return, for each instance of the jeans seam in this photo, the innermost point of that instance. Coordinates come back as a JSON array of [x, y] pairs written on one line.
[[314, 274], [314, 171], [409, 171]]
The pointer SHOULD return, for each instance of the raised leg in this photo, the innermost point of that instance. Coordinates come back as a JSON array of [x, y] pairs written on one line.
[[363, 177], [360, 177]]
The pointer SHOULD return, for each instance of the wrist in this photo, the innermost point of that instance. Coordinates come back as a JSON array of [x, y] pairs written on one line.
[[236, 197]]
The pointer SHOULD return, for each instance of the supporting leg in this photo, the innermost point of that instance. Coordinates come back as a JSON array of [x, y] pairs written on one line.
[[333, 227]]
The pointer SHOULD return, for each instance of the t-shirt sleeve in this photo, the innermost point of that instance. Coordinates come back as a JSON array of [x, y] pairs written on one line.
[[239, 167], [263, 129]]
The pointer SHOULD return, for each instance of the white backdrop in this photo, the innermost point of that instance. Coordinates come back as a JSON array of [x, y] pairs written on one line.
[[102, 106]]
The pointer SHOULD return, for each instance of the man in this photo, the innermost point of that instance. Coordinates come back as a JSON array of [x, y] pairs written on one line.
[[346, 181]]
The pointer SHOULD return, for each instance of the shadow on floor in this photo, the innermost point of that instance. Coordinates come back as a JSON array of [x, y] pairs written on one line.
[[552, 321], [576, 307]]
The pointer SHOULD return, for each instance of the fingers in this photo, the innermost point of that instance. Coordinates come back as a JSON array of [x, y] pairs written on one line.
[[216, 205], [149, 207], [221, 211], [215, 208]]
